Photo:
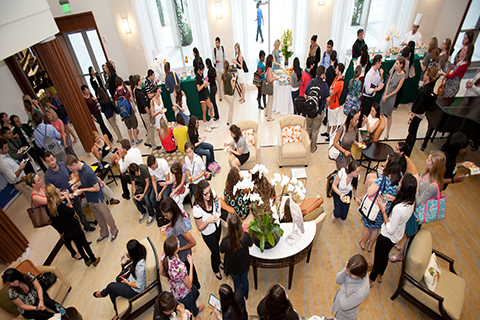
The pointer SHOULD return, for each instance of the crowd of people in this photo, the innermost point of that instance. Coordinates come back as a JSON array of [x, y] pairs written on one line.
[[162, 189]]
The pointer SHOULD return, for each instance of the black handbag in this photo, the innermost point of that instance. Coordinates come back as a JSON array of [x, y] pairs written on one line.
[[125, 272], [47, 280], [330, 178], [245, 68]]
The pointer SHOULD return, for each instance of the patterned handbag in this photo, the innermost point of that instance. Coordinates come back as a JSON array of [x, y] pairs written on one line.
[[432, 210]]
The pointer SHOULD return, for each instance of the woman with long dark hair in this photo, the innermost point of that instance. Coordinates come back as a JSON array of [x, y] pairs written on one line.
[[109, 110], [345, 137], [177, 226], [352, 102], [296, 78], [27, 294], [467, 38], [270, 78], [179, 185], [389, 180], [456, 144], [205, 101], [179, 279], [330, 72], [201, 147], [261, 72], [364, 62], [237, 258], [315, 52], [180, 103], [240, 153], [95, 80], [206, 212], [393, 227], [276, 305], [64, 221], [166, 307], [112, 75], [354, 288], [196, 60], [456, 73], [345, 182], [232, 304], [134, 283], [234, 203], [212, 79]]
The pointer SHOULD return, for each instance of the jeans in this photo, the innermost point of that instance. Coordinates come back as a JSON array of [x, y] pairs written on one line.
[[241, 283], [165, 193], [340, 209], [259, 95], [190, 301], [212, 243], [295, 94], [213, 93], [149, 200], [126, 180], [206, 149], [412, 134], [259, 31], [313, 127], [115, 289], [49, 303], [102, 125]]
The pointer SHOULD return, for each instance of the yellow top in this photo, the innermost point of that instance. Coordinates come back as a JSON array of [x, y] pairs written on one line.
[[181, 137]]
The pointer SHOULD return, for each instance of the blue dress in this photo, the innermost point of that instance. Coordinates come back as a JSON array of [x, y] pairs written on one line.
[[276, 54], [388, 189]]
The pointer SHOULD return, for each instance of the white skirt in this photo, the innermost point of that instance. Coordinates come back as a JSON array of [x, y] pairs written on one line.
[[241, 76]]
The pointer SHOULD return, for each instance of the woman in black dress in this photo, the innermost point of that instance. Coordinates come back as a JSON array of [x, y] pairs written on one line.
[[212, 77]]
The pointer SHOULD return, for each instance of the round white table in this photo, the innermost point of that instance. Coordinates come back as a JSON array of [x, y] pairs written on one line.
[[282, 98], [283, 254]]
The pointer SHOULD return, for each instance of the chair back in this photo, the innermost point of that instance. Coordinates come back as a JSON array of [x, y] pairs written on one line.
[[378, 132], [151, 262], [247, 124], [292, 120], [411, 167], [319, 224], [418, 254]]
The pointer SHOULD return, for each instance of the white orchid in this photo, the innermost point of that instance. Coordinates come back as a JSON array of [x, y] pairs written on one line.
[[285, 181]]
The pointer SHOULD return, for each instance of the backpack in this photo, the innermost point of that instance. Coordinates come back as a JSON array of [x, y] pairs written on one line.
[[343, 95], [314, 101], [123, 106], [214, 167], [51, 144], [300, 105]]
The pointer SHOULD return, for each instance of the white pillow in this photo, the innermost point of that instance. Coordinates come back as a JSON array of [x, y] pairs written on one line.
[[432, 274]]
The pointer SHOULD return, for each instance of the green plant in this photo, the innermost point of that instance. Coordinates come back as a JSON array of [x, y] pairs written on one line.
[[160, 13], [184, 28], [357, 12], [285, 44]]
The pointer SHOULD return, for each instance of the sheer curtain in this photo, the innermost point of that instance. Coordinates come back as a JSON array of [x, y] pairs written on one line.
[[300, 23], [199, 20]]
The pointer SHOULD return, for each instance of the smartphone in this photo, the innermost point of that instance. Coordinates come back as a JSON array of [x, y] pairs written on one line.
[[115, 150], [24, 160]]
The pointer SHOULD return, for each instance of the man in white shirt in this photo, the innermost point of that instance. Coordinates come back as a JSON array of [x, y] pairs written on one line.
[[160, 174], [218, 56], [130, 155], [414, 35], [373, 83], [12, 170]]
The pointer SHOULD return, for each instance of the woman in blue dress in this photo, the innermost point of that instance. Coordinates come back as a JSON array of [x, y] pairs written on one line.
[[387, 186]]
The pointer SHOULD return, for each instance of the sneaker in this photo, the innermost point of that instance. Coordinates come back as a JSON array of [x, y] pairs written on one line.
[[327, 139], [158, 148], [88, 262], [89, 229], [114, 236], [142, 217], [150, 220], [214, 126], [325, 134], [147, 145], [97, 261], [101, 239], [114, 201], [208, 130], [132, 142], [139, 141]]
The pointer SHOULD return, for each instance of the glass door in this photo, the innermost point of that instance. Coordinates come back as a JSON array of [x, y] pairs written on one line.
[[471, 22]]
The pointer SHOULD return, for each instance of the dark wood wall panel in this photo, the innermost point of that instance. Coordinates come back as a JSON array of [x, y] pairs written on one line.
[[61, 72], [12, 241], [20, 76]]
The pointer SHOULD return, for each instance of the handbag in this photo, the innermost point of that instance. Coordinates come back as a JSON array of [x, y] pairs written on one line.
[[257, 80], [333, 152], [432, 210], [39, 216], [125, 271], [330, 178], [267, 87], [369, 208], [47, 280], [366, 136], [441, 88]]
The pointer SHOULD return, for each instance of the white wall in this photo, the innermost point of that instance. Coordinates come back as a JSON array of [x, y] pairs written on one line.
[[220, 28], [106, 25], [319, 23], [11, 94], [449, 19]]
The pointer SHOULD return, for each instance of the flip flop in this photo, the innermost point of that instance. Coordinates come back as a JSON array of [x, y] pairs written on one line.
[[360, 243], [394, 259]]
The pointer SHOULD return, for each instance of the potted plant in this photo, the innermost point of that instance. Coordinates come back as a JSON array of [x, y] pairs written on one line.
[[286, 44], [265, 203]]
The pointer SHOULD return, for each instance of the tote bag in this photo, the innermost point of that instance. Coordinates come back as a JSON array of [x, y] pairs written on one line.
[[267, 87], [369, 208], [432, 210], [333, 152], [39, 217]]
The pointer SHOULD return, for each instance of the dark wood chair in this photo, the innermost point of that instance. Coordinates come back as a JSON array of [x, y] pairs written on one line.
[[447, 300]]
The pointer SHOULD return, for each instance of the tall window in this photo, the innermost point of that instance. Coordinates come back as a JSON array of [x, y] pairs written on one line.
[[172, 28], [471, 22]]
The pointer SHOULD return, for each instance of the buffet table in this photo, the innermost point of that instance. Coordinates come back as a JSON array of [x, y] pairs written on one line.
[[410, 87], [282, 94], [284, 255]]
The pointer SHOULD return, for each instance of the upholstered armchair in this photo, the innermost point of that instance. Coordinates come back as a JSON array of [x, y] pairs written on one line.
[[132, 308], [447, 300], [293, 153], [255, 149]]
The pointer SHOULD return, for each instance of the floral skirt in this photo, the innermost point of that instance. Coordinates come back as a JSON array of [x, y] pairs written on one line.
[[351, 103], [451, 87]]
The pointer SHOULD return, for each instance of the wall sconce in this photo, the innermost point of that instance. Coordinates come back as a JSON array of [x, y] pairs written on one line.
[[321, 2], [125, 26], [218, 9]]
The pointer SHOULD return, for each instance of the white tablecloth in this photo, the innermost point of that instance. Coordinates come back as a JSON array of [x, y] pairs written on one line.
[[282, 98]]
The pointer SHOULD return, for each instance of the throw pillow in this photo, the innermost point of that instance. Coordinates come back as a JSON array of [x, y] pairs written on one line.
[[249, 136], [308, 205], [292, 134], [432, 274]]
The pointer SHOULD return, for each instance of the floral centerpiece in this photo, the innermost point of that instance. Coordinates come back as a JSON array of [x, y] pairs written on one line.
[[286, 45], [392, 33], [265, 203]]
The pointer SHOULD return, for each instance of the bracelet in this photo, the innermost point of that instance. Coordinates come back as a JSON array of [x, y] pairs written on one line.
[[41, 299]]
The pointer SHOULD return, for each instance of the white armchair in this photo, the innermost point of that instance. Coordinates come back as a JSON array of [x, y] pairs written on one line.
[[295, 153]]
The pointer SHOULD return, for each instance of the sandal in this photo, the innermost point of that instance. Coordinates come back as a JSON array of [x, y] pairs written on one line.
[[394, 259], [398, 247], [200, 308], [360, 243], [333, 218], [218, 276], [379, 279]]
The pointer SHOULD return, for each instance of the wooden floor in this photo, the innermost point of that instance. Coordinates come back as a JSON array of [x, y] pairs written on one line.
[[313, 285]]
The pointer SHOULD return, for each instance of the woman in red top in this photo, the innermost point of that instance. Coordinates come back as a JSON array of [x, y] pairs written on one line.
[[455, 75], [166, 136], [52, 117]]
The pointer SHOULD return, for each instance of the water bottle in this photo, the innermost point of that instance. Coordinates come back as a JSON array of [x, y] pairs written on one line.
[[100, 165], [61, 309]]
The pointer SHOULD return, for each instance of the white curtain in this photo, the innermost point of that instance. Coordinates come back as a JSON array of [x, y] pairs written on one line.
[[199, 23], [300, 37], [341, 24]]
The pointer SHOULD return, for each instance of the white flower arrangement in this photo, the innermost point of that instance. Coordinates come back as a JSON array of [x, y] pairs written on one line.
[[393, 32]]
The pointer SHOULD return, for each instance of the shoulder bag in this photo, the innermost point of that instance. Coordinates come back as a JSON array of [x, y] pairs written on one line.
[[369, 208], [333, 152], [257, 80], [267, 87], [39, 216], [441, 88], [432, 210], [330, 178], [125, 272]]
